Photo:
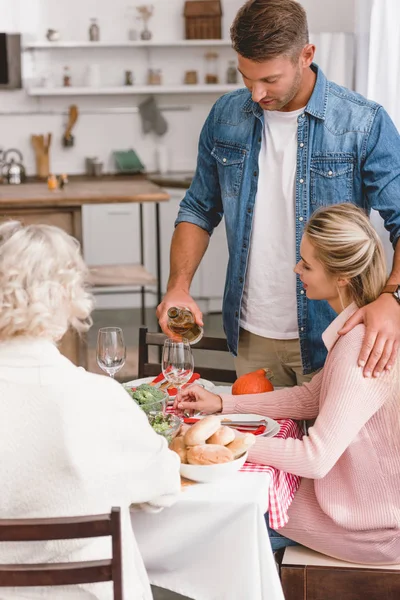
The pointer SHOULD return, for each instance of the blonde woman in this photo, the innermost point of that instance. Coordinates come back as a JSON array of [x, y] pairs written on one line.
[[71, 442], [348, 503]]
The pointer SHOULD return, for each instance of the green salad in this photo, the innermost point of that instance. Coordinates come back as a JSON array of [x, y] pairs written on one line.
[[145, 394], [160, 422]]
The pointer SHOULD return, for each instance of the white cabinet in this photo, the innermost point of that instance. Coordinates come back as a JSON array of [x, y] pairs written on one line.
[[111, 235]]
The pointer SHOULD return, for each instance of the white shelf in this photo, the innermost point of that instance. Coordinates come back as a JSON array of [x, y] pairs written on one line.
[[133, 90], [138, 44]]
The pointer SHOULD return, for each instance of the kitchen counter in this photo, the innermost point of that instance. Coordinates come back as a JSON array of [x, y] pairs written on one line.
[[34, 203], [173, 179], [81, 191]]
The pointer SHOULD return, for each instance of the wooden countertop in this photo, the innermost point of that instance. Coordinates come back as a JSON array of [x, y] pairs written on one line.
[[81, 191]]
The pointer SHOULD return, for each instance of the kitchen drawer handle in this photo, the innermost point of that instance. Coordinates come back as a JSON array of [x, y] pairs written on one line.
[[119, 213]]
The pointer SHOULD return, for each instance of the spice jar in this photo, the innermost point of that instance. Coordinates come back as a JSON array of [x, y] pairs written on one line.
[[52, 182], [211, 67], [128, 78], [94, 31], [67, 77], [231, 73]]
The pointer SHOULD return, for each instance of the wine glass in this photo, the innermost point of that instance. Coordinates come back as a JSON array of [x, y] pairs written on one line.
[[111, 350], [177, 363]]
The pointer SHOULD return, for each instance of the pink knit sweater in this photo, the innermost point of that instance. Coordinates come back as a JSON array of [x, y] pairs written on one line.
[[348, 503]]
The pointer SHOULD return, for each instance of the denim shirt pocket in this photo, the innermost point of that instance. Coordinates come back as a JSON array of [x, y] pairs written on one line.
[[331, 179], [230, 159]]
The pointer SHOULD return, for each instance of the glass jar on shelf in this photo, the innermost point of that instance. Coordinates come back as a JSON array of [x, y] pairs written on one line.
[[231, 73], [211, 67], [94, 31], [67, 79]]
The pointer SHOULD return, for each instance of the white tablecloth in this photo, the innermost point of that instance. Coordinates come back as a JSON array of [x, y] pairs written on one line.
[[213, 544]]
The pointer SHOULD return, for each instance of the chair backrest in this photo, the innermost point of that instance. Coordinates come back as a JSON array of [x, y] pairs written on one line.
[[67, 528], [147, 368]]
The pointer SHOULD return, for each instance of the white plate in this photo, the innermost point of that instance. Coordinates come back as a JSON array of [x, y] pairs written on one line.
[[207, 385], [209, 473], [272, 426]]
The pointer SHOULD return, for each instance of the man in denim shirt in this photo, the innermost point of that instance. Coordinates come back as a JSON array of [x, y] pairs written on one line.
[[269, 155]]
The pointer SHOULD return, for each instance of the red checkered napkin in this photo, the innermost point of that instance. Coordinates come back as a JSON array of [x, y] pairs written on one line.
[[283, 485], [172, 391]]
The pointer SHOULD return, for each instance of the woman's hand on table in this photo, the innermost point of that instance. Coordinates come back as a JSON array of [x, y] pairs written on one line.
[[196, 398]]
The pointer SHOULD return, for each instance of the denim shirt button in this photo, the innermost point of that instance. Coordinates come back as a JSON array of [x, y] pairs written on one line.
[[259, 140], [236, 313], [224, 160], [301, 180], [301, 145], [330, 173], [301, 291], [301, 219], [244, 246], [301, 328], [240, 279], [249, 211], [255, 173]]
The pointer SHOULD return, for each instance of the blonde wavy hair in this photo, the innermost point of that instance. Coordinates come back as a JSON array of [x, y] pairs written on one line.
[[43, 283], [348, 247]]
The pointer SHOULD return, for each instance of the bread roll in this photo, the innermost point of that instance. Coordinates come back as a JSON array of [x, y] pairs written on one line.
[[241, 444], [223, 436], [202, 430], [208, 454], [178, 445], [184, 428]]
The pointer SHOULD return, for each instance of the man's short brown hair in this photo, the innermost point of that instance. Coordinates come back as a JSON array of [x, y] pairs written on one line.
[[265, 29]]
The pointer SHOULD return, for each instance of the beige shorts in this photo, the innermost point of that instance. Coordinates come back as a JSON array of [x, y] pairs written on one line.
[[282, 357]]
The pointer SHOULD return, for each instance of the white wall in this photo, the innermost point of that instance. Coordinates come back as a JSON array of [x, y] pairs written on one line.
[[101, 134]]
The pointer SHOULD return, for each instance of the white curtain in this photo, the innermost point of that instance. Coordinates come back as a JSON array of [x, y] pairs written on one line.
[[383, 81], [384, 56]]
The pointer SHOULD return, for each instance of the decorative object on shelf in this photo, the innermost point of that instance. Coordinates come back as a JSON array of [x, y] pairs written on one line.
[[13, 172], [62, 181], [154, 77], [130, 13], [211, 67], [145, 13], [68, 139], [52, 182], [128, 78], [152, 119], [53, 35], [127, 161], [94, 31], [203, 19], [41, 145], [231, 73], [67, 79], [191, 78], [93, 78]]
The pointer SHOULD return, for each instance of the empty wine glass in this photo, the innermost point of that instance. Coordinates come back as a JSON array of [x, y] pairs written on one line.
[[111, 350], [177, 363]]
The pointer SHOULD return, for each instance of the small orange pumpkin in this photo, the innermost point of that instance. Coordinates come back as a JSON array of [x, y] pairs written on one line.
[[253, 383]]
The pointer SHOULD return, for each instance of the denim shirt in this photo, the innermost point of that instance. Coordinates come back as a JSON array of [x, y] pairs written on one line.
[[348, 151]]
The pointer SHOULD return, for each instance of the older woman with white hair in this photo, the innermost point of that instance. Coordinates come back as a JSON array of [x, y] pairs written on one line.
[[348, 503], [71, 442]]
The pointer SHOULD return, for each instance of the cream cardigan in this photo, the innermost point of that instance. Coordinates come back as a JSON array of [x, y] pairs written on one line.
[[348, 504], [74, 443]]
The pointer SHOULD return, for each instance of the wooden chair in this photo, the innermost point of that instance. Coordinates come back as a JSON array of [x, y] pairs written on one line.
[[54, 574], [214, 374], [308, 575]]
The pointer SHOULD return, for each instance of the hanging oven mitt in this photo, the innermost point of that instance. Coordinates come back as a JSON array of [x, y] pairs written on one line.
[[152, 119]]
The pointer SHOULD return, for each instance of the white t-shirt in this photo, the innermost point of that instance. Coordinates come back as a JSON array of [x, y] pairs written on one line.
[[269, 306]]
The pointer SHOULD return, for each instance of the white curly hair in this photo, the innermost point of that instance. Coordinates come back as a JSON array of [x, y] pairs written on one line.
[[43, 283]]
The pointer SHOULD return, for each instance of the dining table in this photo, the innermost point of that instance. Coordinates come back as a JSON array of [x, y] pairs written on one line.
[[213, 543]]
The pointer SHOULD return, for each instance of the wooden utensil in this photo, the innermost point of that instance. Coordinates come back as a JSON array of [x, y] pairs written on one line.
[[41, 145], [68, 139]]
